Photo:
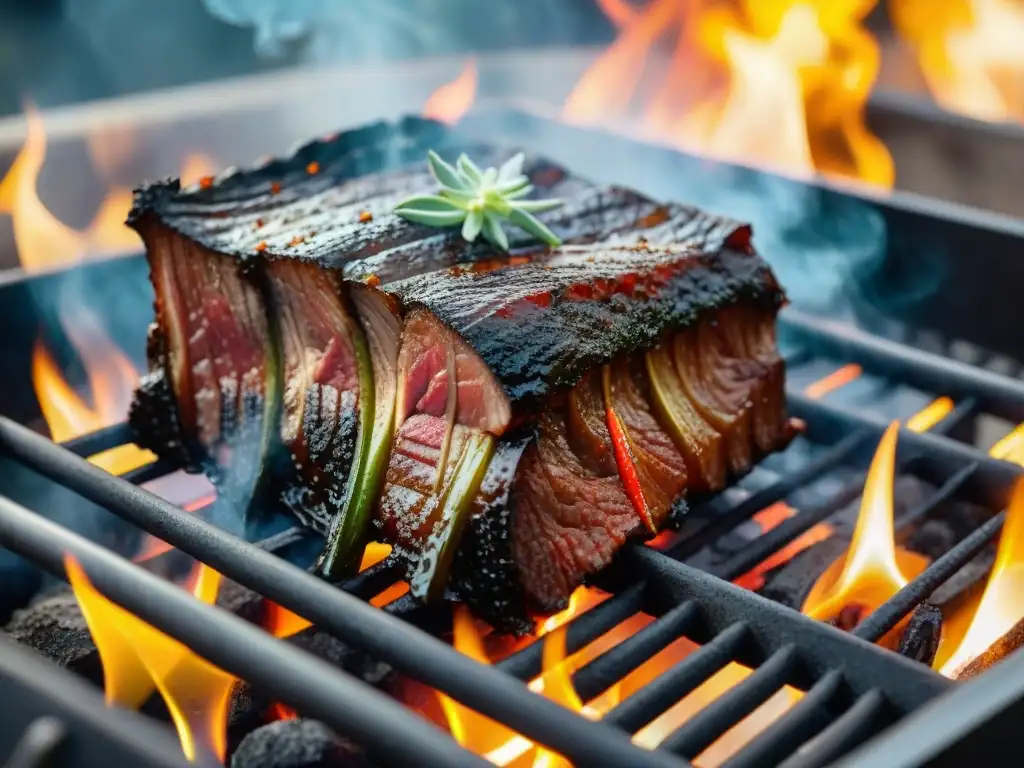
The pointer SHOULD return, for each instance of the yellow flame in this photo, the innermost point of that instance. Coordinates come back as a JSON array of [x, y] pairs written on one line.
[[969, 52], [136, 657], [1002, 603], [804, 67], [871, 572]]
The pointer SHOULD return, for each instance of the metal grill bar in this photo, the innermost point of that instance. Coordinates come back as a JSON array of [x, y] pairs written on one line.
[[701, 730], [148, 472], [725, 522], [997, 394], [906, 524], [44, 691], [597, 676], [100, 440], [434, 663], [899, 605], [935, 458], [806, 719], [854, 726], [906, 683], [580, 632], [301, 680], [656, 697], [789, 530]]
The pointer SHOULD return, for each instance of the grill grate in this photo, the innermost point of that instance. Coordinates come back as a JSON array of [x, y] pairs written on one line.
[[853, 689]]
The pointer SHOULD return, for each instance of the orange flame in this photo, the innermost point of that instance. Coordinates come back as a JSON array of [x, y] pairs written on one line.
[[111, 378], [969, 52], [136, 657], [930, 415], [44, 242], [452, 100], [503, 747], [1001, 605], [805, 67], [873, 569], [984, 618], [280, 622]]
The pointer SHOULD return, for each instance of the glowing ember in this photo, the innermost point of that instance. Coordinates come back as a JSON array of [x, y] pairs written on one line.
[[136, 657], [804, 67], [930, 415], [873, 570], [969, 52], [838, 378], [1002, 603], [452, 100]]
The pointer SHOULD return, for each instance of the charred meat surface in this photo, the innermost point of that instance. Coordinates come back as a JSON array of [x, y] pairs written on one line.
[[493, 346], [507, 421], [540, 325]]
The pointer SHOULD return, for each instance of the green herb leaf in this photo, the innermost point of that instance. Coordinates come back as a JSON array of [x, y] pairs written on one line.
[[527, 221], [469, 169], [480, 200], [518, 193], [427, 203], [494, 233], [474, 223], [444, 173], [536, 206]]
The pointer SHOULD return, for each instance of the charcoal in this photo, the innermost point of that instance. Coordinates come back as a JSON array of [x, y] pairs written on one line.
[[250, 707], [54, 627], [933, 539], [789, 583], [920, 639], [297, 743], [241, 601]]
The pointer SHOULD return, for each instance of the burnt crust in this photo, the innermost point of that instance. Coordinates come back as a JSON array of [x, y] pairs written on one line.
[[153, 414], [484, 573], [537, 350]]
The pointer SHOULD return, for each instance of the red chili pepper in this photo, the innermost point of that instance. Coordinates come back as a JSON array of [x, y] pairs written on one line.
[[627, 468]]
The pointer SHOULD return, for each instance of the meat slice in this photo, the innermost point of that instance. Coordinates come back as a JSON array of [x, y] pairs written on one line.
[[566, 522], [616, 456], [651, 468], [212, 341], [698, 442], [324, 367]]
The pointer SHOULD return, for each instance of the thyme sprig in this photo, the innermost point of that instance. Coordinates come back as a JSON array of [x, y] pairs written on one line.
[[481, 201]]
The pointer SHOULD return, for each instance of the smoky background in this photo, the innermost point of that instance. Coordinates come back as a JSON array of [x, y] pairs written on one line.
[[59, 52]]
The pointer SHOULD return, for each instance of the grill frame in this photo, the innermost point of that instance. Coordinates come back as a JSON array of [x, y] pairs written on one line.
[[715, 604]]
